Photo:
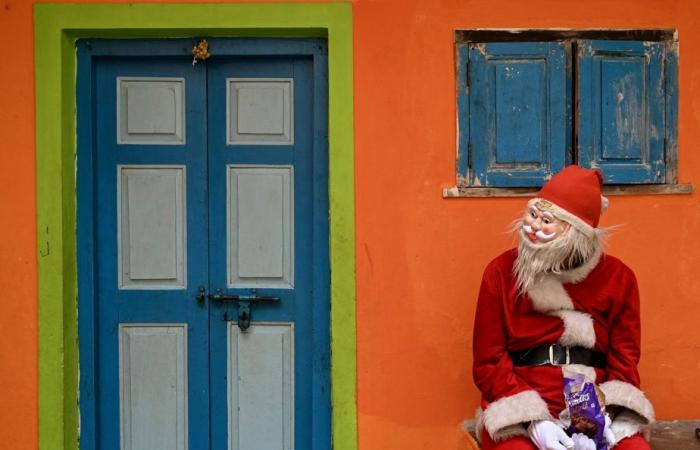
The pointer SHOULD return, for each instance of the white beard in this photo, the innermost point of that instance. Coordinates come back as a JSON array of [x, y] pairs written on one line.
[[568, 251]]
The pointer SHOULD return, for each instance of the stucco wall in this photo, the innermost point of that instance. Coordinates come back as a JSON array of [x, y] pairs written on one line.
[[419, 257]]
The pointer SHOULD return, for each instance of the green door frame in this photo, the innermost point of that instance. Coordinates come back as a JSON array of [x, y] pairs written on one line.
[[56, 28]]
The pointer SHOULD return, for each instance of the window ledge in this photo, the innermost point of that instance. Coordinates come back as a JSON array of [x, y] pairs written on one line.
[[640, 189]]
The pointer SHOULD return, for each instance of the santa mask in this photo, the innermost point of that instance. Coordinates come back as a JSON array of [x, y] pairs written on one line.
[[540, 225], [559, 230]]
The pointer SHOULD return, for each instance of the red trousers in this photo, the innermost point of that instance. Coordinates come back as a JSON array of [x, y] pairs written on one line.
[[636, 442]]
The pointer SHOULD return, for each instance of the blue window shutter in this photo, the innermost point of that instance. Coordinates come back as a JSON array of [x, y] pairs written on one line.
[[621, 113], [519, 112], [462, 56]]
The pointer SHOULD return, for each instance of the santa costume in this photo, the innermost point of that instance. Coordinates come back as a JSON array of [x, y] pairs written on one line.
[[558, 307]]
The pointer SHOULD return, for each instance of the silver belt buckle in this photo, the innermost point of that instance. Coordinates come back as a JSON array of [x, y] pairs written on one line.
[[551, 355]]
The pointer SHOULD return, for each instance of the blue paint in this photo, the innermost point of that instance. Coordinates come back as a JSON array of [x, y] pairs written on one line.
[[519, 112], [102, 306], [622, 109], [321, 319], [85, 247]]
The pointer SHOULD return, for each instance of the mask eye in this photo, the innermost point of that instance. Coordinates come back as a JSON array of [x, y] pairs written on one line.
[[546, 220], [533, 214]]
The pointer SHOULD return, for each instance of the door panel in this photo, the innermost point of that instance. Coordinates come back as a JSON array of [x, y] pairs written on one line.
[[153, 386], [260, 226], [151, 231], [150, 110], [261, 385], [259, 111]]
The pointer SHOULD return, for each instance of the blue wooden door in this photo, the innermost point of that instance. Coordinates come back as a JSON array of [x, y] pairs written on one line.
[[204, 270]]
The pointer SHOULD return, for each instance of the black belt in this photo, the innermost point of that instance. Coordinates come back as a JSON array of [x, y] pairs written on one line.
[[556, 355]]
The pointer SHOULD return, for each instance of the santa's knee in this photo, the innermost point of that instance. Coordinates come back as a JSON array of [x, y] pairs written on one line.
[[636, 442]]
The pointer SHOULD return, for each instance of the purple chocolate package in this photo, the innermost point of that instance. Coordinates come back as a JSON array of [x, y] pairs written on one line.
[[585, 409]]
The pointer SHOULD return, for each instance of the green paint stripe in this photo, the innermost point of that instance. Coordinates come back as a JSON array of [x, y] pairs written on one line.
[[342, 230], [50, 236], [56, 28]]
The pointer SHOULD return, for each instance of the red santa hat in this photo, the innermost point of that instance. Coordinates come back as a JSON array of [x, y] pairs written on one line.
[[574, 195]]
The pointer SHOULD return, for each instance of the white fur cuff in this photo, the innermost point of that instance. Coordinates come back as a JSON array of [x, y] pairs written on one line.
[[503, 418], [509, 432], [627, 424], [626, 395]]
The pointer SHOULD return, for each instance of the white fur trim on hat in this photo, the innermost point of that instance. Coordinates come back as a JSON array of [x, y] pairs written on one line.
[[562, 214], [502, 417], [604, 204], [627, 395]]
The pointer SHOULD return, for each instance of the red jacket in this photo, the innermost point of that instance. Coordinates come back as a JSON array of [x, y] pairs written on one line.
[[595, 306]]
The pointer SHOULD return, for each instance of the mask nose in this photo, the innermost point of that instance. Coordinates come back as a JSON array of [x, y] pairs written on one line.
[[536, 224]]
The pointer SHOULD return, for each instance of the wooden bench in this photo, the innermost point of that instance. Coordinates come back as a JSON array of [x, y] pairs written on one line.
[[675, 435], [665, 435]]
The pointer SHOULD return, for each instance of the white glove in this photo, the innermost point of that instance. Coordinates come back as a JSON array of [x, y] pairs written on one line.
[[583, 442], [547, 435], [608, 433]]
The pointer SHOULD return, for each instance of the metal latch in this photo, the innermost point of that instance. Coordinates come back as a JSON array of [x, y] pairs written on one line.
[[244, 303]]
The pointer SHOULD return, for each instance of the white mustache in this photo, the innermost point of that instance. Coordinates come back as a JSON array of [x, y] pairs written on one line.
[[541, 235]]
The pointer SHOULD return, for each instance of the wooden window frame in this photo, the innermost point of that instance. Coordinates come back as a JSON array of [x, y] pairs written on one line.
[[464, 188]]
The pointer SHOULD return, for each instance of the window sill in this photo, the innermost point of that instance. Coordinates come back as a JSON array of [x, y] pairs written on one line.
[[641, 189]]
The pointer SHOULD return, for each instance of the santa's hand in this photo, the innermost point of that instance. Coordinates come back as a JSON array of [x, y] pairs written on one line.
[[583, 442], [547, 435], [608, 433]]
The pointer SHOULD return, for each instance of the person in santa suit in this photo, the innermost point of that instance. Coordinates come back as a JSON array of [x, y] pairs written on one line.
[[558, 306]]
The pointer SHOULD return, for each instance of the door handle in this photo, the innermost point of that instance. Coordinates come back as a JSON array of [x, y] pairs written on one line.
[[244, 303]]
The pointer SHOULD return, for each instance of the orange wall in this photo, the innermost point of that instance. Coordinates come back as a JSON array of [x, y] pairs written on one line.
[[18, 317], [419, 257]]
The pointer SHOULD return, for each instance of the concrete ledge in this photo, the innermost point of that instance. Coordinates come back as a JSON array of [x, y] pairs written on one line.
[[639, 189]]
